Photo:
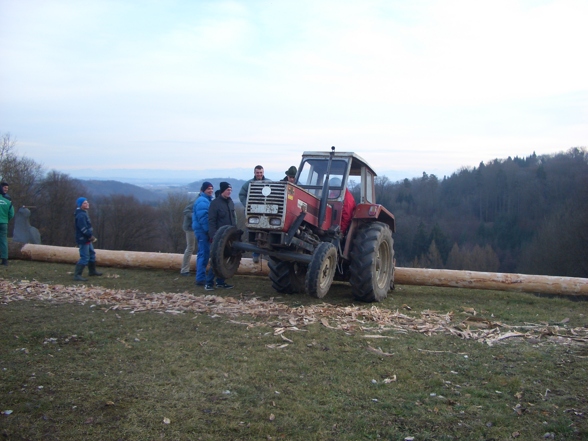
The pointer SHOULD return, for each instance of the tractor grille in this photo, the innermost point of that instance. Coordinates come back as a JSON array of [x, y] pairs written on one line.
[[272, 204]]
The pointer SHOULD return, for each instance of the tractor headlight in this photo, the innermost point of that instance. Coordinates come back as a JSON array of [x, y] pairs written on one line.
[[253, 220], [275, 221]]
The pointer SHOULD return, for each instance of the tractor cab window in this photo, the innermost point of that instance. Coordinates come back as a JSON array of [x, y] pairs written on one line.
[[313, 172], [361, 184], [367, 178]]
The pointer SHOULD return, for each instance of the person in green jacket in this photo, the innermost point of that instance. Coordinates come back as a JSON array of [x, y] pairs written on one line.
[[6, 213]]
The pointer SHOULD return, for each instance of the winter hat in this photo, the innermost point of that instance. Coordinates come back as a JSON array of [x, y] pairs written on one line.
[[291, 171], [205, 185], [80, 201], [224, 186]]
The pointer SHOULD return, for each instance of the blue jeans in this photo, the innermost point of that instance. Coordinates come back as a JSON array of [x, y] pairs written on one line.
[[203, 275], [87, 254]]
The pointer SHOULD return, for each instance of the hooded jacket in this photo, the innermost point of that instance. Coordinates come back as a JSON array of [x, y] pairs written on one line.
[[84, 229], [200, 214]]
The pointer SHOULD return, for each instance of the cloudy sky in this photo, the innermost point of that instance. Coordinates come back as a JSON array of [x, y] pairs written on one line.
[[211, 86]]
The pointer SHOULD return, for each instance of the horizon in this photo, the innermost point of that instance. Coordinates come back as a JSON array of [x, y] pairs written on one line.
[[159, 177]]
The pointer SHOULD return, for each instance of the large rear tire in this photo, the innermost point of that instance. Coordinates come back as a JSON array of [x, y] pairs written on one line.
[[321, 270], [372, 263], [224, 259], [287, 277]]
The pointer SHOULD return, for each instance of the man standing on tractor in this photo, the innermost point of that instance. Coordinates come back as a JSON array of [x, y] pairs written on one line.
[[257, 176]]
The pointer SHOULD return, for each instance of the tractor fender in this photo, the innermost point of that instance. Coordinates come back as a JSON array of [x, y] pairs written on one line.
[[375, 212]]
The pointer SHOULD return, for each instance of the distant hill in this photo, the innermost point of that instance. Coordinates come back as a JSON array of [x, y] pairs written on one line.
[[157, 193], [105, 188]]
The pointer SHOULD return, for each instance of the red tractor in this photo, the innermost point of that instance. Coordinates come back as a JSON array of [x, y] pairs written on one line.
[[298, 226]]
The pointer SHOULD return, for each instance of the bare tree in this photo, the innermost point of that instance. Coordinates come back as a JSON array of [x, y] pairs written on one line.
[[123, 223], [7, 145], [170, 213], [55, 207], [21, 173]]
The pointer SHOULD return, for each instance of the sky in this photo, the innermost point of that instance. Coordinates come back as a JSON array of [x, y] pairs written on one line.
[[201, 88]]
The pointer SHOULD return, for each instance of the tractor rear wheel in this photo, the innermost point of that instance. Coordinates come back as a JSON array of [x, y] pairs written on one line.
[[372, 263], [287, 277], [321, 270], [224, 259]]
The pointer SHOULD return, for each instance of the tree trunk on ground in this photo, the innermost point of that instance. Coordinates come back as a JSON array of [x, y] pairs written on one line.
[[494, 281], [119, 259]]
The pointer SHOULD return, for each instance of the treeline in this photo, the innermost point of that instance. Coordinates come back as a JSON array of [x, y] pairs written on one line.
[[526, 215]]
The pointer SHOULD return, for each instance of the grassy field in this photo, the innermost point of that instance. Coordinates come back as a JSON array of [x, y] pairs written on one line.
[[145, 355]]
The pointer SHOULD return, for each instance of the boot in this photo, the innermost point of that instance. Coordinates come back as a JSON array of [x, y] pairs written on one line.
[[5, 262], [78, 273], [92, 268]]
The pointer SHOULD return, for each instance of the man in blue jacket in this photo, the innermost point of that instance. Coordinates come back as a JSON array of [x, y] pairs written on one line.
[[200, 227], [85, 239]]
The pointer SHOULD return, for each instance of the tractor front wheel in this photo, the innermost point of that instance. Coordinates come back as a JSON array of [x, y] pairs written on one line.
[[372, 263], [321, 270], [224, 259], [287, 277]]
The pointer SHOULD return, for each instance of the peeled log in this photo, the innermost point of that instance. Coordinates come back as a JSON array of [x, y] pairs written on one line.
[[119, 259], [574, 286], [402, 276]]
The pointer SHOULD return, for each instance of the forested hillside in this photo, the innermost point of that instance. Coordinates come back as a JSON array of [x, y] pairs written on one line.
[[527, 215]]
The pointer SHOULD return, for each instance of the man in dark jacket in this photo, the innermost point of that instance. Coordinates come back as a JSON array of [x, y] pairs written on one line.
[[221, 213], [84, 238]]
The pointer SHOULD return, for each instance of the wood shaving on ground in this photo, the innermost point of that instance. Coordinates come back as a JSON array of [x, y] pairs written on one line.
[[352, 319]]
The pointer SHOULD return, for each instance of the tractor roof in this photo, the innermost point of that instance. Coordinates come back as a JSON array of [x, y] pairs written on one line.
[[356, 161]]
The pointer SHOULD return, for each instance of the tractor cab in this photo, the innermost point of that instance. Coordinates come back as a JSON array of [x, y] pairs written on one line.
[[344, 167]]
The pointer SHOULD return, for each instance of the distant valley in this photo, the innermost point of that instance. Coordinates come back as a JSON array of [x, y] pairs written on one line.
[[153, 193]]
